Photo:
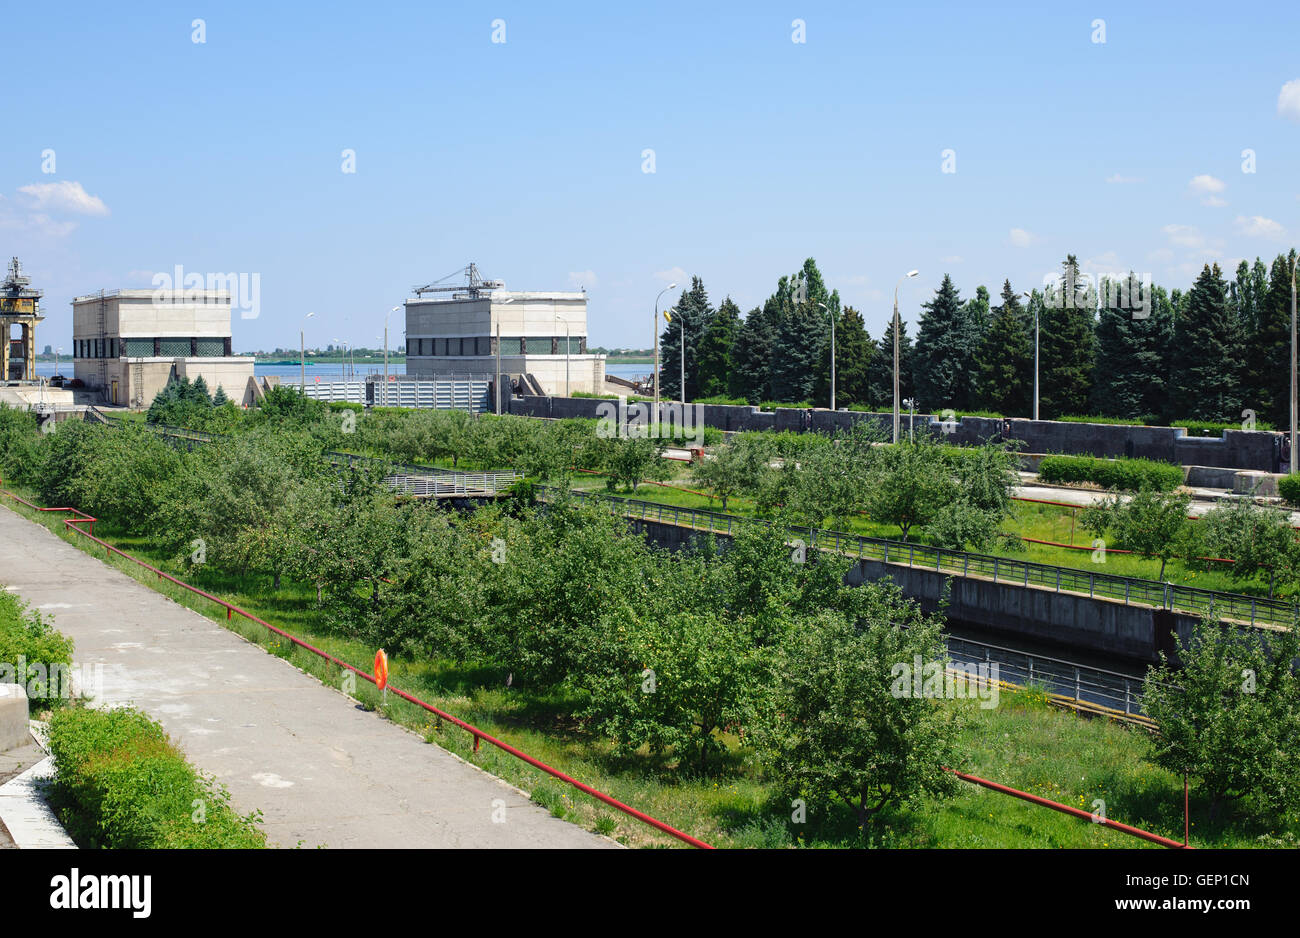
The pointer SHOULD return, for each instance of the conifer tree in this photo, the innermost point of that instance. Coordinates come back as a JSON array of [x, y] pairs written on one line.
[[715, 354], [943, 356], [1204, 372], [1066, 353], [1005, 360]]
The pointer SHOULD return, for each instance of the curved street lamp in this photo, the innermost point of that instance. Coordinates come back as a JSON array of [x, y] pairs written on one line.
[[906, 276], [671, 286], [302, 339], [832, 316]]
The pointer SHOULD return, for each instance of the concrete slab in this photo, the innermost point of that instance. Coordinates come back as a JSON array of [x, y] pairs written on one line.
[[13, 717], [322, 771]]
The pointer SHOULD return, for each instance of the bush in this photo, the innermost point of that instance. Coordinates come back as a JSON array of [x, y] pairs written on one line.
[[1215, 428], [45, 653], [1127, 474], [1289, 488], [121, 784]]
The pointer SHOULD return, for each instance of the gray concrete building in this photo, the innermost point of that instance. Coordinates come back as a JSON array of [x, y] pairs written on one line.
[[542, 335], [127, 344]]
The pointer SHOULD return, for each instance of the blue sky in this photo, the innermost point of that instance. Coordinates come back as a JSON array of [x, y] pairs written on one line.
[[525, 156]]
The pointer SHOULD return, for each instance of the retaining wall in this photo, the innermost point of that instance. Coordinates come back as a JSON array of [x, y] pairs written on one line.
[[1234, 449]]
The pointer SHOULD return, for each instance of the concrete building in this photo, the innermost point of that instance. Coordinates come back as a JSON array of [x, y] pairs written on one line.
[[127, 344], [543, 339], [20, 305]]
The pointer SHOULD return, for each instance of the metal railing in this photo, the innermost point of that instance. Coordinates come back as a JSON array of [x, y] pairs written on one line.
[[1076, 686], [1128, 590]]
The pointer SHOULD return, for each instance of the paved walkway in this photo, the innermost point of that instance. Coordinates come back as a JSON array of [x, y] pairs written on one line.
[[322, 771]]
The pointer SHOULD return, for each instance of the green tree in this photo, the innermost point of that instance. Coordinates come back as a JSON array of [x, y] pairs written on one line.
[[1205, 363], [881, 369], [715, 352], [1005, 360], [854, 353], [751, 376], [1230, 715], [944, 353], [909, 484], [690, 317], [1132, 354], [735, 467], [1257, 539], [1066, 351], [835, 725], [1150, 522]]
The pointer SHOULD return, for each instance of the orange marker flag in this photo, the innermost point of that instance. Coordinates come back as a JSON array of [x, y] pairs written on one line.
[[381, 669]]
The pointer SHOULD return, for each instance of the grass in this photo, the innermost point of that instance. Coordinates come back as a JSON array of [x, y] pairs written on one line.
[[1028, 519], [1022, 743]]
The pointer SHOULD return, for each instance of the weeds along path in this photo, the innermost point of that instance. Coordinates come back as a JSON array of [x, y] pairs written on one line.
[[322, 771]]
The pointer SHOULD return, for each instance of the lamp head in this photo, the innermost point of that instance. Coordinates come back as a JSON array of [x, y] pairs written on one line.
[[912, 273]]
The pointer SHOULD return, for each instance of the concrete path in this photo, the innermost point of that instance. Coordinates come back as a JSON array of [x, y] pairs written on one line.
[[322, 771]]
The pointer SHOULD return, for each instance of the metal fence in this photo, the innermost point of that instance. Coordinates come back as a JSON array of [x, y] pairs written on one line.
[[468, 394], [1129, 590], [1112, 690], [414, 479]]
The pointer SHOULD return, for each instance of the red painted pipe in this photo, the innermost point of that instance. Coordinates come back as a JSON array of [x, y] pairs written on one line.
[[477, 733], [1076, 812]]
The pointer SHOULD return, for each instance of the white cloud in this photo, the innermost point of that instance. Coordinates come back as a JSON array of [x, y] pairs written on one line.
[[65, 197], [1257, 226], [1184, 236], [1288, 100], [1209, 187], [1207, 183], [1117, 179], [674, 275], [1022, 238], [583, 278]]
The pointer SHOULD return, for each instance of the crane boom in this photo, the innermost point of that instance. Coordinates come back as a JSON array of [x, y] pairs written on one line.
[[473, 286]]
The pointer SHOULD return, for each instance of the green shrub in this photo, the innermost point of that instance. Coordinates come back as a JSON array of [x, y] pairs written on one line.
[[1127, 474], [1215, 428], [1289, 488], [121, 784], [1147, 420], [45, 654]]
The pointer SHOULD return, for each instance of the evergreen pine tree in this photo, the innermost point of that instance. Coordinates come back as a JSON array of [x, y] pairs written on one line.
[[751, 356], [1004, 361], [1268, 354], [880, 387], [1132, 355], [854, 353], [1204, 373], [220, 397], [1066, 352], [691, 314], [943, 356], [803, 332], [715, 355]]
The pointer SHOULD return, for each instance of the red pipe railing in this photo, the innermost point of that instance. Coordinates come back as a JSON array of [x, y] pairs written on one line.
[[1076, 812], [477, 733]]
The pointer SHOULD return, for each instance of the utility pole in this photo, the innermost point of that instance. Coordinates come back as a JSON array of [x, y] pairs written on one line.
[[1030, 297], [910, 273], [302, 341], [671, 286]]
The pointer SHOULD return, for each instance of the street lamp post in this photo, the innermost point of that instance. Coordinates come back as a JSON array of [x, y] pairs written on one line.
[[302, 340], [682, 322], [567, 336], [832, 316], [496, 385], [911, 419], [1030, 297], [386, 315], [671, 286], [910, 273], [1293, 368]]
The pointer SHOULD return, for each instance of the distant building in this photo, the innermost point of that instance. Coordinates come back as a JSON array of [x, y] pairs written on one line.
[[20, 305], [127, 344], [543, 339]]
